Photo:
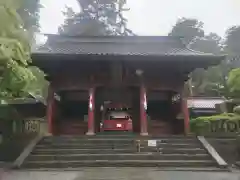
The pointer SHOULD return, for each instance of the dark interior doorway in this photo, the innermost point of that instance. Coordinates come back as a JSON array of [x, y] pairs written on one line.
[[74, 110], [73, 116], [160, 117]]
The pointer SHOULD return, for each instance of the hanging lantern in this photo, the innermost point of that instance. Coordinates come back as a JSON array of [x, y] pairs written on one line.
[[90, 102], [176, 98], [145, 101]]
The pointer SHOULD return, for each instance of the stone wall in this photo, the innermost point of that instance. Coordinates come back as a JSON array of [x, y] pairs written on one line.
[[226, 147]]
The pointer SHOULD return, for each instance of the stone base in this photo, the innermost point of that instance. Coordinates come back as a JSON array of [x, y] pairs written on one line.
[[47, 134], [144, 134], [90, 133]]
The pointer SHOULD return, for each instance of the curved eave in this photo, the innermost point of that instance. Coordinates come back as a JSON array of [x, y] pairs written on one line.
[[212, 59], [190, 62], [129, 56]]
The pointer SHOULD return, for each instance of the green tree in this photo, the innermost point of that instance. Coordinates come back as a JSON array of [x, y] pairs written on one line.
[[29, 12], [232, 46], [189, 29], [101, 17], [231, 65], [234, 82], [232, 40], [210, 43], [210, 82], [14, 51], [39, 85]]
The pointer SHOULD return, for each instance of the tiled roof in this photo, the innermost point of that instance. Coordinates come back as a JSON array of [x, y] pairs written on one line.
[[204, 103], [130, 45]]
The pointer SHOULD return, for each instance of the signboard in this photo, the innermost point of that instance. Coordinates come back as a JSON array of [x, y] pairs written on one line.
[[31, 125], [152, 143]]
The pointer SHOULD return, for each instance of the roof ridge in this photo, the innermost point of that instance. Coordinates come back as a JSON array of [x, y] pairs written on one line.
[[98, 36], [192, 50], [199, 52]]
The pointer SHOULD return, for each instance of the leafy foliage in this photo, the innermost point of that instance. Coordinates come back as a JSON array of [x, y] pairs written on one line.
[[228, 116], [236, 110], [39, 85], [202, 124], [210, 43], [232, 40], [29, 12], [232, 46], [189, 29], [210, 82], [14, 51], [234, 82], [102, 17]]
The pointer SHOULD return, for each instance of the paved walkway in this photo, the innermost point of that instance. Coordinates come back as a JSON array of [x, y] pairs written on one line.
[[117, 174]]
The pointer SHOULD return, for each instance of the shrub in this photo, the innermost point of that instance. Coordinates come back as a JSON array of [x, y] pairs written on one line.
[[219, 122], [236, 110]]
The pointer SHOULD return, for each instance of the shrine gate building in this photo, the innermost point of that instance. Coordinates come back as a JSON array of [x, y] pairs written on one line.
[[146, 74]]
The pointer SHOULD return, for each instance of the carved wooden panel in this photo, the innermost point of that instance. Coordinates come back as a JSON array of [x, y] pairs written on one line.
[[155, 78]]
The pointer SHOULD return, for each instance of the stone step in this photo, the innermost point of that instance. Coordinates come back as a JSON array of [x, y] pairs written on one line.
[[174, 145], [136, 156], [115, 145], [117, 137], [116, 141], [117, 150], [114, 138], [82, 146], [210, 169], [94, 141], [80, 151], [170, 150], [119, 142], [119, 163]]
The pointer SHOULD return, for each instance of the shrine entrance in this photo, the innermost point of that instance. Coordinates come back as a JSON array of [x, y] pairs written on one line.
[[141, 72], [160, 117], [72, 113], [115, 111]]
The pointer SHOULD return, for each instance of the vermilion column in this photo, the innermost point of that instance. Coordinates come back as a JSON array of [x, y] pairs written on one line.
[[186, 116], [50, 108], [143, 113], [91, 106]]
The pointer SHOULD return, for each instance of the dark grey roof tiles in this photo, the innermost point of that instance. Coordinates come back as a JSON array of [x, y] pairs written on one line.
[[128, 45]]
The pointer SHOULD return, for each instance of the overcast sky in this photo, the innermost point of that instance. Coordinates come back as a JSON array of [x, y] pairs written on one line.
[[156, 17]]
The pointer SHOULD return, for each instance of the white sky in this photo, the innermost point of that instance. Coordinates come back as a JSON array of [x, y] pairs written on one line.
[[156, 17]]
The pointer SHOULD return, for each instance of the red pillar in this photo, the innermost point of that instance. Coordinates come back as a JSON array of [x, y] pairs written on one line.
[[50, 108], [91, 106], [186, 116], [143, 113]]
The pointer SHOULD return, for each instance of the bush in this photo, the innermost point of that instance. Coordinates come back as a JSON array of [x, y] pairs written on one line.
[[236, 110], [227, 116], [222, 123]]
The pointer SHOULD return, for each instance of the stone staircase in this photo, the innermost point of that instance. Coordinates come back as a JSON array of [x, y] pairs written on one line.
[[118, 151]]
